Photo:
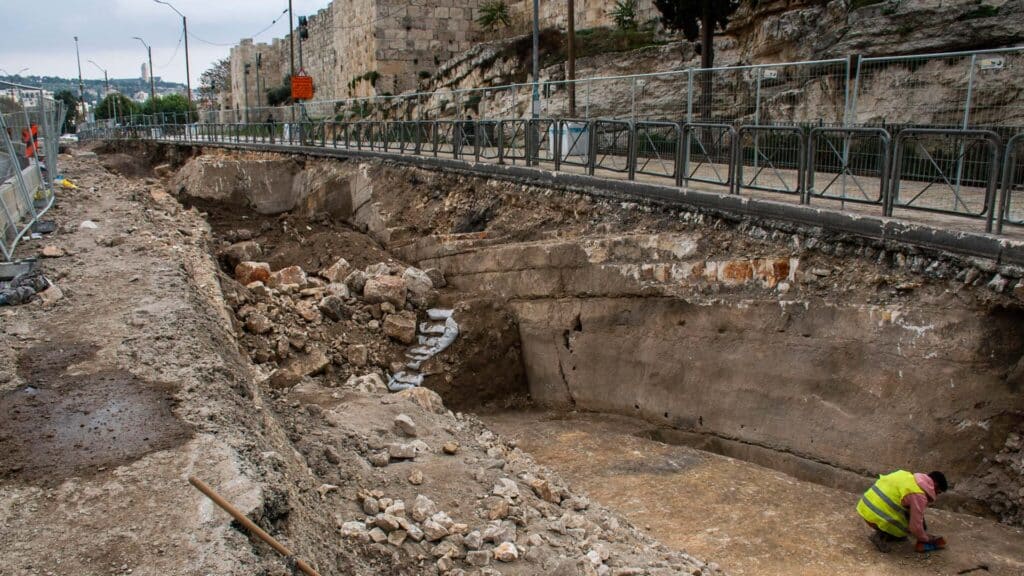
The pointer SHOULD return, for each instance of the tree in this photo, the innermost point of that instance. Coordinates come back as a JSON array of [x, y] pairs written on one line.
[[73, 107], [699, 18], [173, 107], [216, 80], [8, 105], [115, 106]]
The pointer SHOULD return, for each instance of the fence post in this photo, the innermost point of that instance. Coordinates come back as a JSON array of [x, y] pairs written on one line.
[[633, 99], [964, 124]]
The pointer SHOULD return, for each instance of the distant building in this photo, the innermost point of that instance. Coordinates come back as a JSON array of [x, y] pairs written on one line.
[[140, 96], [145, 72], [27, 98]]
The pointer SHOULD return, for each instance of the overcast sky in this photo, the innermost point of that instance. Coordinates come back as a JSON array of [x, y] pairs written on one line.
[[40, 34]]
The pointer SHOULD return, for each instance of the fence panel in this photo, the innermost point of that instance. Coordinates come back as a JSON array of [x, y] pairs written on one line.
[[513, 137], [657, 148], [708, 154], [29, 143], [913, 90], [613, 145], [946, 171], [848, 164], [1011, 203], [770, 159]]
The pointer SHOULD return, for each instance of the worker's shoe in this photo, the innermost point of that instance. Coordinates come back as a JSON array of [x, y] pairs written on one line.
[[884, 545]]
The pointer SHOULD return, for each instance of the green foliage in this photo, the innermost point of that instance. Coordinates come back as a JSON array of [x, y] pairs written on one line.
[[980, 12], [281, 94], [117, 105], [494, 13], [372, 76], [215, 80], [624, 14], [595, 41], [72, 105]]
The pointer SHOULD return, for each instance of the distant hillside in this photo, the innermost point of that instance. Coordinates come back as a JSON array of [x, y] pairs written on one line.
[[94, 88]]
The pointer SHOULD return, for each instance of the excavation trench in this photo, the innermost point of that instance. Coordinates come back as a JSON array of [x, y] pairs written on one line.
[[729, 387]]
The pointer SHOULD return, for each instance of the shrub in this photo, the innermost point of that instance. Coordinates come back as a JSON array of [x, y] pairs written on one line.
[[624, 14], [494, 13]]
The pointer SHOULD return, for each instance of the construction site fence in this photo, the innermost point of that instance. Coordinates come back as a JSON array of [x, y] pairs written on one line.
[[30, 129], [967, 173], [978, 89]]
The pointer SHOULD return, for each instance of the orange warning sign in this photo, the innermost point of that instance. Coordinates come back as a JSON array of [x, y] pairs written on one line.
[[302, 88]]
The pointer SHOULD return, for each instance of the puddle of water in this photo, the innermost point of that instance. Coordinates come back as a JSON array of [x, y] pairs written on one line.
[[60, 426]]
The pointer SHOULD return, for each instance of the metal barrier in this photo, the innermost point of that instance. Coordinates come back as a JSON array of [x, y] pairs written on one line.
[[1010, 211], [572, 142], [512, 140], [854, 161], [656, 148], [29, 145], [708, 154], [946, 171], [613, 146], [776, 158]]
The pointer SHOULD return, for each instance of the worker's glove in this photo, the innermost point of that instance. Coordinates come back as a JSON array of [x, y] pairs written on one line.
[[936, 543]]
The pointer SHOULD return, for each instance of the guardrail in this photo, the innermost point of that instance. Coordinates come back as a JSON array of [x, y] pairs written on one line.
[[953, 172]]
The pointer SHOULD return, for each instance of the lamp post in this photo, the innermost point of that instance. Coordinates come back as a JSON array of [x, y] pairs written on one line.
[[259, 64], [152, 82], [106, 87], [184, 27], [106, 79], [18, 73], [81, 85], [245, 90]]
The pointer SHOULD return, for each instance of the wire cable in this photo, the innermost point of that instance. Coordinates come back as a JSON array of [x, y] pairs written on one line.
[[230, 44], [175, 55]]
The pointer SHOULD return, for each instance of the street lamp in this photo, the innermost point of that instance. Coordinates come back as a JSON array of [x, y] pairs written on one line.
[[81, 85], [106, 79], [18, 73], [106, 88], [152, 82], [184, 26]]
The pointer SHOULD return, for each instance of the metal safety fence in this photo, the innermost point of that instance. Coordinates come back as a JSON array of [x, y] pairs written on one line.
[[30, 128], [971, 174], [977, 89]]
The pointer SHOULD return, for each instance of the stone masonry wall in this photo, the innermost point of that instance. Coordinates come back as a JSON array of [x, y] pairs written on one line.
[[589, 13]]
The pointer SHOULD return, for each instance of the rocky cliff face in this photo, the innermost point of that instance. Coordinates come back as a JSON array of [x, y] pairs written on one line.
[[780, 31]]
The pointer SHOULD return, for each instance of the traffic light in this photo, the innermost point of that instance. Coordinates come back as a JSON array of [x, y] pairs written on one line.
[[303, 28]]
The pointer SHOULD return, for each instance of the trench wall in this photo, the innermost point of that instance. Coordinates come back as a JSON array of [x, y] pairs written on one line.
[[840, 365]]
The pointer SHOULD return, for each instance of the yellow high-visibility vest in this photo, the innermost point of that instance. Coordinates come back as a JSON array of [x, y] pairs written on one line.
[[882, 504]]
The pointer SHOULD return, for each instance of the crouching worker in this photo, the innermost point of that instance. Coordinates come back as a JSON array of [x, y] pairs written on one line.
[[894, 508]]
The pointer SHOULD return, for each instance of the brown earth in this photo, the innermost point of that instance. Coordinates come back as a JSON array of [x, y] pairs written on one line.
[[752, 520], [144, 341]]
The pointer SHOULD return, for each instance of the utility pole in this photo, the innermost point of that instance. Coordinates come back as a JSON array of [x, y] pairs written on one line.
[[245, 90], [259, 64], [106, 80], [152, 77], [535, 105], [291, 39], [188, 75], [571, 64], [81, 85]]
